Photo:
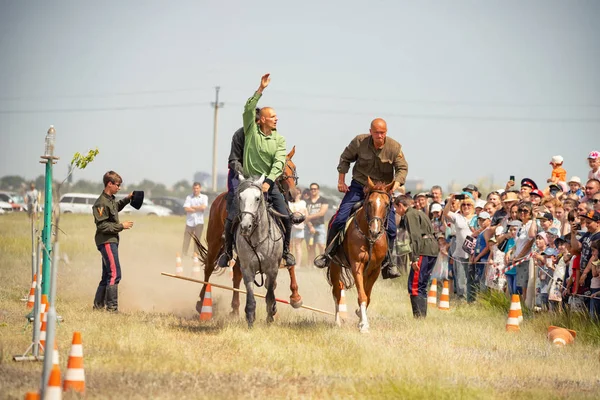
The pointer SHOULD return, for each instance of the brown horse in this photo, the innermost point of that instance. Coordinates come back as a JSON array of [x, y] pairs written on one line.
[[363, 249], [214, 238]]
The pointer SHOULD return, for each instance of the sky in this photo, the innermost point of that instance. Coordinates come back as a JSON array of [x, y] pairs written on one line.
[[471, 89]]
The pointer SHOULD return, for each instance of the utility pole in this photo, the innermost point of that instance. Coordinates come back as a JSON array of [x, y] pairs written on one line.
[[216, 106]]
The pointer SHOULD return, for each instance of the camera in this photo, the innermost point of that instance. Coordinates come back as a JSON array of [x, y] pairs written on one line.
[[459, 196], [429, 195], [512, 178]]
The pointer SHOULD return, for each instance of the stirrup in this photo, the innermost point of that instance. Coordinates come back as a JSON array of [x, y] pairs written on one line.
[[322, 261], [223, 260], [297, 218], [289, 259]]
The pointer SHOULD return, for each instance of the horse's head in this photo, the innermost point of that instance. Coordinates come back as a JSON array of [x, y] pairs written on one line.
[[250, 199], [377, 206], [288, 179]]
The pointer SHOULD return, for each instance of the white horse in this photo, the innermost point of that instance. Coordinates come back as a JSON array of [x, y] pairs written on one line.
[[259, 244]]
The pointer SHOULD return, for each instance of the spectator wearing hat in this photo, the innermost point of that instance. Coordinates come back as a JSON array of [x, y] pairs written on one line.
[[544, 274], [479, 205], [594, 163], [472, 189], [106, 216], [558, 172], [461, 222], [421, 202], [536, 197], [552, 233], [557, 283], [502, 215], [436, 218], [575, 187], [545, 221]]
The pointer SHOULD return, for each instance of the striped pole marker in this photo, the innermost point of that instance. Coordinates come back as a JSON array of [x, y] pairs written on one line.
[[445, 297], [432, 294], [44, 320], [512, 323], [342, 307], [53, 391], [31, 298], [196, 268], [206, 311], [75, 376], [178, 265]]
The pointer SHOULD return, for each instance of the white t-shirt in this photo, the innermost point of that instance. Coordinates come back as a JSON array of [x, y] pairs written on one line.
[[195, 218], [522, 238], [299, 206], [462, 231], [594, 175]]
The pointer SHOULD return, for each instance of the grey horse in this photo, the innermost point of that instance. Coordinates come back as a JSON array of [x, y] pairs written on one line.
[[259, 245]]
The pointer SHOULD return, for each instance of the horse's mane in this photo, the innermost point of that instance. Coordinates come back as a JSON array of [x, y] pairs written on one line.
[[246, 184], [377, 186]]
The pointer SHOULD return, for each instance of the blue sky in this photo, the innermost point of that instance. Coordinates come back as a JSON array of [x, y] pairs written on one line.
[[470, 88]]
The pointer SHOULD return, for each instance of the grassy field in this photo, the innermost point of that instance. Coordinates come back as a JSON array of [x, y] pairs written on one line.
[[156, 347]]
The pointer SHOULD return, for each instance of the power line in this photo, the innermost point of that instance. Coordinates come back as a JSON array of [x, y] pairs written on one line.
[[101, 95]]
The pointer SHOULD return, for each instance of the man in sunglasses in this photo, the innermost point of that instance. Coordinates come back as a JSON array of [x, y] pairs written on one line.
[[106, 215]]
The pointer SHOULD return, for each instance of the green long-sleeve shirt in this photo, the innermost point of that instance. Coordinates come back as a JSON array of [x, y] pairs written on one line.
[[106, 215], [422, 239], [262, 154]]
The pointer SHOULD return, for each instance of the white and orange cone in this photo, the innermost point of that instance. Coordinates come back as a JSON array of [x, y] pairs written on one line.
[[53, 391], [44, 318], [519, 310], [206, 311], [445, 297], [55, 356], [178, 265], [432, 294], [75, 376], [31, 298], [512, 323], [32, 396], [196, 270], [560, 337], [342, 307]]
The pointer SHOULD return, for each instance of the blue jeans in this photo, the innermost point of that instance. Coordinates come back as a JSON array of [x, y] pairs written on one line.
[[354, 195], [595, 306]]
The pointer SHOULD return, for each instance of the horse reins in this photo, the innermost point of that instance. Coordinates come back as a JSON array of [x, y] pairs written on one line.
[[371, 241]]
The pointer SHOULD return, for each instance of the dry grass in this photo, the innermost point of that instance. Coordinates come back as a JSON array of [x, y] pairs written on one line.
[[157, 348]]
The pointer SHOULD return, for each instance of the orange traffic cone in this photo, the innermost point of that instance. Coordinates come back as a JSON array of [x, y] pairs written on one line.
[[32, 396], [432, 294], [31, 298], [55, 355], [561, 336], [196, 268], [519, 310], [206, 311], [44, 304], [43, 331], [178, 266], [75, 376], [53, 391], [445, 297], [512, 323], [342, 307]]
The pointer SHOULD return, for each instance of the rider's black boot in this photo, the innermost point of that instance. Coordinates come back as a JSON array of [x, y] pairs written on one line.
[[288, 257], [389, 270], [228, 253], [322, 260]]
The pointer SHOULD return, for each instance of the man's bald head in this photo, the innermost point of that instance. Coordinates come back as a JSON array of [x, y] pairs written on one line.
[[378, 132], [267, 120]]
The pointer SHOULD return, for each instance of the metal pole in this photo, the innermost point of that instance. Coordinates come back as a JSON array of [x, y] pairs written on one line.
[[47, 231], [51, 322], [216, 105], [33, 254]]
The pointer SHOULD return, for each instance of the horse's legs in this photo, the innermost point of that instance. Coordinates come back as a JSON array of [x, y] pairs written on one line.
[[363, 299], [271, 284], [371, 279], [336, 289], [295, 298], [237, 278], [250, 300]]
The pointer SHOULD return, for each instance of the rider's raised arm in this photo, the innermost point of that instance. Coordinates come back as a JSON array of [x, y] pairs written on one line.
[[401, 168], [278, 161], [249, 115]]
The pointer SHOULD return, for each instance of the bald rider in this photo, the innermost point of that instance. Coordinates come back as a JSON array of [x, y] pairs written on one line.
[[264, 154], [376, 156]]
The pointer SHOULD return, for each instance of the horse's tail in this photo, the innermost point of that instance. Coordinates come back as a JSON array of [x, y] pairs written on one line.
[[345, 276], [202, 251]]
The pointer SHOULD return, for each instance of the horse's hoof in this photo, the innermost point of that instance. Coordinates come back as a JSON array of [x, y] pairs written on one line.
[[270, 319], [234, 313], [364, 329], [296, 302]]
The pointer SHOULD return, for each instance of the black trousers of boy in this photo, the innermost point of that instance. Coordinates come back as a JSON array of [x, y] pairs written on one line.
[[107, 294], [417, 285]]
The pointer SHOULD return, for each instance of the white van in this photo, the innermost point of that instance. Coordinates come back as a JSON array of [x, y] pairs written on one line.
[[77, 203]]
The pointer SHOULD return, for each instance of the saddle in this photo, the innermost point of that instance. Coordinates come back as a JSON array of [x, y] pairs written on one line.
[[340, 256]]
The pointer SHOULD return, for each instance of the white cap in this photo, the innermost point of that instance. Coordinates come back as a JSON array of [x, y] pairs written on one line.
[[575, 179], [480, 203], [556, 160], [436, 207], [484, 215]]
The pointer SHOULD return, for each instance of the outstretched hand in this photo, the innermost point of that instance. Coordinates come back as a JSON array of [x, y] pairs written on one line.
[[265, 80]]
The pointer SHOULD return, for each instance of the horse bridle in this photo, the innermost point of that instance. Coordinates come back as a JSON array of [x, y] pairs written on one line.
[[283, 177], [369, 218], [254, 216]]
